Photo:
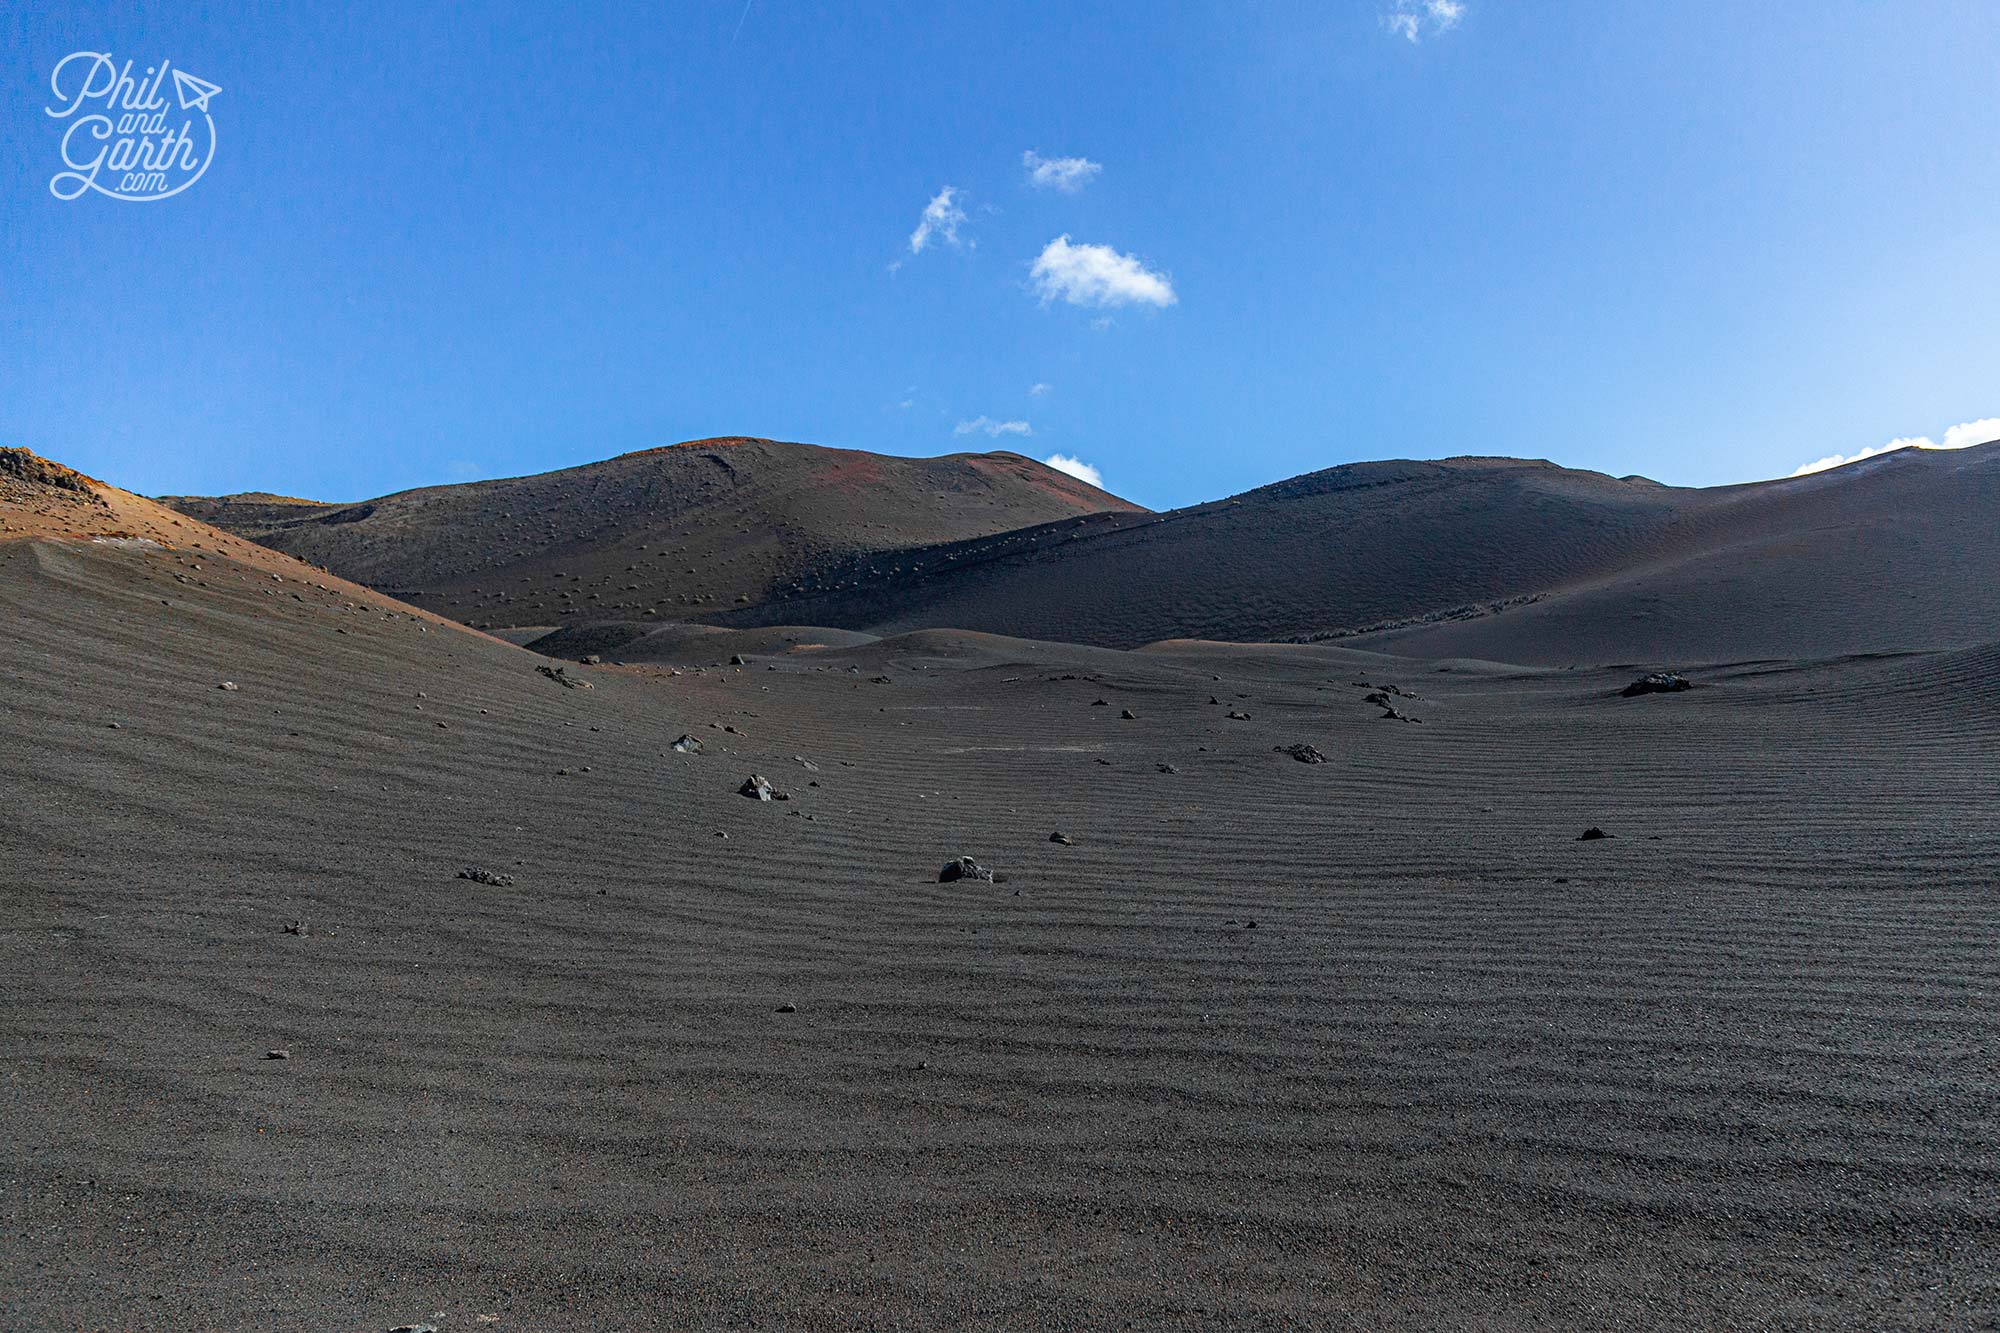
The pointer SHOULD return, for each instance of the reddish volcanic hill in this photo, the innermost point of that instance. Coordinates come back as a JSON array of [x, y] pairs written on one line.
[[663, 534]]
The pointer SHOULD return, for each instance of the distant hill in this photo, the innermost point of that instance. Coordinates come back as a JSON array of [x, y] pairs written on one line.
[[1483, 557], [251, 510], [1495, 558], [1897, 553], [663, 534], [1336, 550]]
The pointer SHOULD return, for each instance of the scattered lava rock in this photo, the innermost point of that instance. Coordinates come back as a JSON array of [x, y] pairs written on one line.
[[758, 788], [1100, 703], [277, 1054], [593, 660], [738, 659], [687, 745], [1592, 834], [1128, 715], [492, 877], [1658, 682], [1238, 717], [964, 867], [562, 677], [1305, 754], [24, 465], [788, 1009], [230, 686], [1060, 837], [1166, 768]]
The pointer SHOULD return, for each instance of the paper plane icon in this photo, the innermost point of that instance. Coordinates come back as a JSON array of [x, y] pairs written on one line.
[[194, 93]]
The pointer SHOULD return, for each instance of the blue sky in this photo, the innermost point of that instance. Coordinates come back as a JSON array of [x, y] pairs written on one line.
[[1706, 242]]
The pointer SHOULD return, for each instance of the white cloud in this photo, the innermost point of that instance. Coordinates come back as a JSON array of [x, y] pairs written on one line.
[[1968, 433], [1077, 468], [1413, 20], [942, 217], [992, 428], [1962, 436], [1837, 460], [1097, 275], [1068, 174], [1037, 389]]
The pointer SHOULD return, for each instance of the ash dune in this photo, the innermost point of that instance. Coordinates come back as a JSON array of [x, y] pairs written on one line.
[[1373, 1042], [1890, 554], [49, 509], [1490, 558], [660, 534]]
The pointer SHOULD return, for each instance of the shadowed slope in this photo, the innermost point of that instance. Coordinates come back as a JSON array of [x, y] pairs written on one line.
[[1344, 548], [1514, 560], [658, 535], [1892, 554]]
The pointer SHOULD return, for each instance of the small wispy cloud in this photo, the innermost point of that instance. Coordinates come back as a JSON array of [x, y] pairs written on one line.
[[1962, 436], [942, 218], [993, 429], [1068, 174], [1097, 275], [1413, 20], [1077, 468], [1040, 387]]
